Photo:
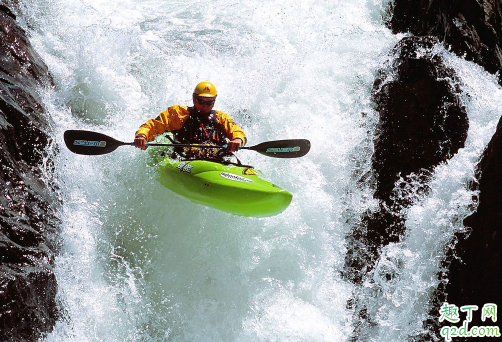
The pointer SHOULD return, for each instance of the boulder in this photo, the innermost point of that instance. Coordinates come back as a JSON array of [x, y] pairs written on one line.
[[422, 123]]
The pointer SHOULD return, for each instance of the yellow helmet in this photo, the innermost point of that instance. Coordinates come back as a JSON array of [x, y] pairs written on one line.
[[205, 89]]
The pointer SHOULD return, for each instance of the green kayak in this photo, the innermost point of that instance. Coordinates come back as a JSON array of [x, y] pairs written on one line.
[[236, 189]]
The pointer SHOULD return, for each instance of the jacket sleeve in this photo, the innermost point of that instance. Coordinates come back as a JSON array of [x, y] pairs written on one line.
[[231, 129], [170, 119]]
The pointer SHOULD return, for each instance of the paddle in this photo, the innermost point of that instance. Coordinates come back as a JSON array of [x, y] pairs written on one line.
[[94, 143], [293, 148]]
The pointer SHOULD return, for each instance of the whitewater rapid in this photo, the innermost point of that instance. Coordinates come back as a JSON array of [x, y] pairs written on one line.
[[139, 263]]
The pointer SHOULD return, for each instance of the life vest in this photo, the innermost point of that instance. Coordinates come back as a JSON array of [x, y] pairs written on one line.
[[200, 130]]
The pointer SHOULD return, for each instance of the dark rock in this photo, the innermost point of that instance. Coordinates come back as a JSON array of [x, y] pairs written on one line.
[[422, 124], [470, 28], [471, 270], [28, 220], [475, 278], [422, 121], [7, 11]]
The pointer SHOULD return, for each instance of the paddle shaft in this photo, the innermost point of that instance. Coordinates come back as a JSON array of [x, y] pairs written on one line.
[[94, 143], [178, 145]]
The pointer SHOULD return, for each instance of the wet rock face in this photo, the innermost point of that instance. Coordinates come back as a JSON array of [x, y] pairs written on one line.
[[474, 29], [476, 279], [29, 199], [422, 124], [471, 28], [422, 121]]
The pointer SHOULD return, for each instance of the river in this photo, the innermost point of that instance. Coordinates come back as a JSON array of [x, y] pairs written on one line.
[[140, 263]]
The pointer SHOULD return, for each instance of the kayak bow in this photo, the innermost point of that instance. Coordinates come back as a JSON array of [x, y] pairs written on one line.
[[234, 189]]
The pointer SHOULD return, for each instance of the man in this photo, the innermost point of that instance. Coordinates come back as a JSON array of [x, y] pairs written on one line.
[[199, 124]]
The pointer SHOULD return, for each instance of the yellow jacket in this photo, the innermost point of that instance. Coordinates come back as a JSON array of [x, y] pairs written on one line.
[[174, 117]]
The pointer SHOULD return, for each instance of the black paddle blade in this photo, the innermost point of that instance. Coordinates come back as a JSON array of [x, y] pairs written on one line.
[[294, 148], [90, 143]]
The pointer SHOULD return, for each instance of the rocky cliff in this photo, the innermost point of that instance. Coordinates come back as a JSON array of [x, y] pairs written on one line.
[[29, 200], [422, 124], [472, 29]]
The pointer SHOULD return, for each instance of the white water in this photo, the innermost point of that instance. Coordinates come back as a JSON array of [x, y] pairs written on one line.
[[142, 264]]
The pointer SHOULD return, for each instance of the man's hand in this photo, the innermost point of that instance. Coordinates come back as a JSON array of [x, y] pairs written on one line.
[[234, 145], [140, 142]]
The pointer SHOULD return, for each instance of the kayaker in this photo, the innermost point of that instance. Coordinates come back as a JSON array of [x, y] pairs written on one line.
[[199, 124]]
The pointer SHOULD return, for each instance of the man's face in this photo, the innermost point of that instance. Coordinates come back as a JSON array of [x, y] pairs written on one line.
[[202, 104]]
